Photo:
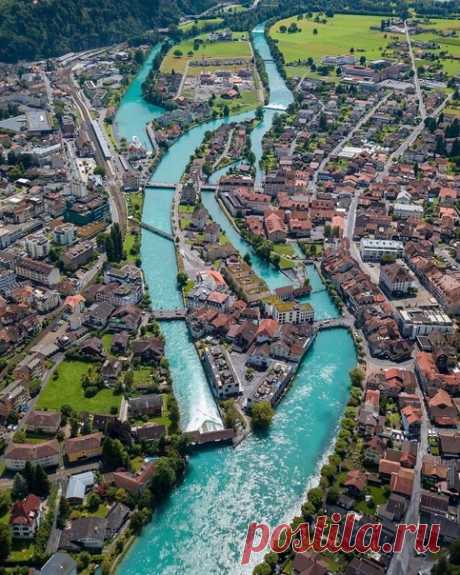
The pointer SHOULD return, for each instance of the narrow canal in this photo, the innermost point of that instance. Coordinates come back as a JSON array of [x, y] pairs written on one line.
[[201, 528]]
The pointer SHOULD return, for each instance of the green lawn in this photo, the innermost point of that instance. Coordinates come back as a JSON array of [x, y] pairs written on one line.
[[336, 37], [142, 375], [284, 250], [66, 390], [107, 342], [449, 44], [238, 48], [21, 550], [199, 24]]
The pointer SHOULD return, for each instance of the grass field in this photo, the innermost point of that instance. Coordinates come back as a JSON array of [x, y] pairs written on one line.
[[336, 37], [199, 24], [447, 44], [238, 48], [67, 390]]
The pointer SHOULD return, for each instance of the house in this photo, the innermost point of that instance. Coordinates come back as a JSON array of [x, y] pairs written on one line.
[[111, 370], [309, 563], [442, 410], [395, 280], [116, 518], [44, 454], [120, 342], [83, 447], [127, 318], [59, 564], [92, 349], [449, 444], [150, 405], [78, 486], [149, 350], [402, 482], [275, 228], [411, 418], [25, 517], [43, 421], [134, 482], [97, 316], [85, 533], [355, 482], [150, 432], [363, 566]]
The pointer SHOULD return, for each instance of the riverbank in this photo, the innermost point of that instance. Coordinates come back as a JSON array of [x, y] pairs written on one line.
[[265, 477]]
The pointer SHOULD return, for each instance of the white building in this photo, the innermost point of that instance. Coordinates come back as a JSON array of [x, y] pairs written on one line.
[[37, 246], [404, 211], [395, 279], [46, 300], [64, 234], [224, 380], [424, 320], [374, 250], [39, 272], [289, 311], [44, 454]]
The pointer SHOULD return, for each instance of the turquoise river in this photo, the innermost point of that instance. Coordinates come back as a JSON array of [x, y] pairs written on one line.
[[201, 527]]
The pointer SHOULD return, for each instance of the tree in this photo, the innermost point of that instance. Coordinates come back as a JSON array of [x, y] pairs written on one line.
[[99, 171], [259, 114], [5, 502], [93, 502], [41, 485], [247, 258], [454, 552], [5, 541], [315, 31], [315, 497], [20, 488], [163, 478], [178, 53], [356, 376], [262, 569], [322, 123], [182, 279], [362, 60], [115, 247], [308, 511], [29, 475], [261, 415], [137, 521], [114, 455]]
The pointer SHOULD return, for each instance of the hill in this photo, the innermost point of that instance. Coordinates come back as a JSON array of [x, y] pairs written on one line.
[[44, 28]]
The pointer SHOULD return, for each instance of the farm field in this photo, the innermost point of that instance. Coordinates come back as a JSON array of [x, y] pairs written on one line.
[[445, 33], [186, 26], [237, 48], [337, 36], [67, 390]]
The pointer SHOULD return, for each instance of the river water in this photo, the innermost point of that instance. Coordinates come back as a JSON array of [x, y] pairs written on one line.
[[201, 528]]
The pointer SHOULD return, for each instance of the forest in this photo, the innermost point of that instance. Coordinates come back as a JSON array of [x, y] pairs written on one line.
[[35, 30]]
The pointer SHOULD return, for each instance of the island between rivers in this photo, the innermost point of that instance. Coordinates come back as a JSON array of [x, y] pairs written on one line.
[[202, 526]]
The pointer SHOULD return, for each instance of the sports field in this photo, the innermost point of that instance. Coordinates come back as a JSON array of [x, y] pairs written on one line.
[[180, 54], [336, 36]]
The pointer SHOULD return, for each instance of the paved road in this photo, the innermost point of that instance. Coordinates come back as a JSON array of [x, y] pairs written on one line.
[[344, 141], [400, 563], [409, 141], [418, 91]]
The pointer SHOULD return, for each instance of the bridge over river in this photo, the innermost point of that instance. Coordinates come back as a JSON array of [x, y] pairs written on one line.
[[171, 186], [157, 231]]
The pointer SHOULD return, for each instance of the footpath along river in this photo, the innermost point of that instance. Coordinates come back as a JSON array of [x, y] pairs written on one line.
[[201, 527]]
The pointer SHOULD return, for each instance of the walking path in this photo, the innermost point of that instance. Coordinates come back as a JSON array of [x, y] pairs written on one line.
[[418, 91]]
